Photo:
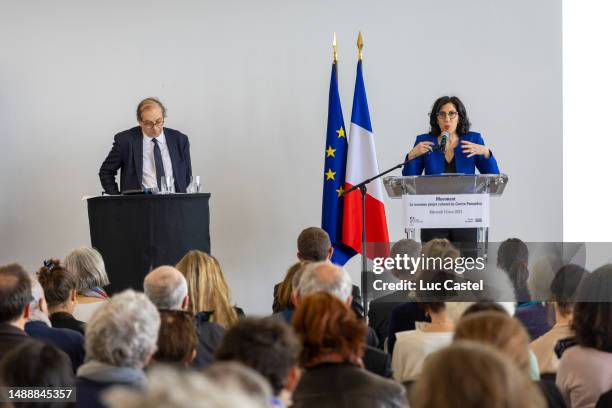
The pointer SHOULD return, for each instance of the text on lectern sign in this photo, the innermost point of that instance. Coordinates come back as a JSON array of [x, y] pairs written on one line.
[[446, 211]]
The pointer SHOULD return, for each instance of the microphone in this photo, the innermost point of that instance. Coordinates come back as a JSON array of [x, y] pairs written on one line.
[[444, 140]]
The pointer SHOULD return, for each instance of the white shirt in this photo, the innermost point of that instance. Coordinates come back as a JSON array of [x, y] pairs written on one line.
[[411, 349], [149, 177]]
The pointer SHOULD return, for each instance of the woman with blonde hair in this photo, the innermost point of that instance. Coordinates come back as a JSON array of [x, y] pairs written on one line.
[[507, 335], [209, 293]]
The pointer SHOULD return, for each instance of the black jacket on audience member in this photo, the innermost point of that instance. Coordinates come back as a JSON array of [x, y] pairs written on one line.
[[379, 313], [403, 318], [11, 337], [63, 320], [377, 361], [551, 394], [69, 341], [210, 336], [344, 385]]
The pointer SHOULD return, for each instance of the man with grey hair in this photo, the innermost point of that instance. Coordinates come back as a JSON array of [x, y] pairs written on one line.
[[120, 340], [326, 277], [39, 327], [335, 280], [167, 288]]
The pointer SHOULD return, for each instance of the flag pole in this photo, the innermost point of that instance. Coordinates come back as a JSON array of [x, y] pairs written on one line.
[[364, 190]]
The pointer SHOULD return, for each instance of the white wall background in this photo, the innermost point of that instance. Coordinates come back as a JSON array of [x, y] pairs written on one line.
[[248, 82]]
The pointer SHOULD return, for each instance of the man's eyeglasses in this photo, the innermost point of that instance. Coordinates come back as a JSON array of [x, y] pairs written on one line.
[[149, 124], [451, 115]]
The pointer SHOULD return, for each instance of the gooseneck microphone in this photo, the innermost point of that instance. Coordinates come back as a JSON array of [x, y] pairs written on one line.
[[444, 140]]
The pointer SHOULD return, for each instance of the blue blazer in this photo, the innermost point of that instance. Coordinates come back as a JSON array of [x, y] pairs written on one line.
[[126, 155], [434, 162]]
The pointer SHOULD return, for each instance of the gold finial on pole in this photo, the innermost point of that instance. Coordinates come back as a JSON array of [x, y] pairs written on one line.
[[335, 47], [360, 45]]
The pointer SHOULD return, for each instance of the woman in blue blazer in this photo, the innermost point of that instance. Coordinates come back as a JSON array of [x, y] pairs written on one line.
[[449, 147]]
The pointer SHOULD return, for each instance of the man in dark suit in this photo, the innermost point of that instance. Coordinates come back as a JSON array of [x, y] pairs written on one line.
[[146, 153], [15, 295]]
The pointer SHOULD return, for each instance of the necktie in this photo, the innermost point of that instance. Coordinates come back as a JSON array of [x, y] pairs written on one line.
[[159, 164]]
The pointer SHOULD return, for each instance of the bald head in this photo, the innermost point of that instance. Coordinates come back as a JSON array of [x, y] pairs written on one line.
[[325, 277], [167, 288]]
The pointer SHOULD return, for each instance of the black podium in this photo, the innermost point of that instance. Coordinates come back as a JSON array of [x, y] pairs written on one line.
[[137, 233]]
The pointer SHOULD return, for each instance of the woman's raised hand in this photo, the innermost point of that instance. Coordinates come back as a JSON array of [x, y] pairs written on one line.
[[420, 149], [473, 149]]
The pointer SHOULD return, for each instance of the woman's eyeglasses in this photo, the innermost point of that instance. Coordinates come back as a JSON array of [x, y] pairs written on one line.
[[443, 115]]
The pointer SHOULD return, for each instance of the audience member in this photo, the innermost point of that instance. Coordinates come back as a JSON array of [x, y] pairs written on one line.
[[314, 245], [335, 280], [120, 341], [283, 291], [39, 327], [413, 346], [404, 316], [563, 288], [15, 297], [468, 374], [88, 265], [513, 259], [286, 315], [585, 370], [484, 307], [36, 364], [177, 339], [268, 346], [60, 287], [209, 293], [171, 388], [380, 308], [166, 287], [332, 345], [507, 335], [534, 314], [231, 376]]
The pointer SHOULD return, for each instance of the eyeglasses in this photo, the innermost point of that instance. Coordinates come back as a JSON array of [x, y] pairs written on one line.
[[451, 115], [157, 123]]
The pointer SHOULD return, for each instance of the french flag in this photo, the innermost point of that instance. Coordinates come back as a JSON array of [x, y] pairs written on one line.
[[361, 165]]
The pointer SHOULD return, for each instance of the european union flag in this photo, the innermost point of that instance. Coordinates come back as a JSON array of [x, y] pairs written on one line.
[[336, 147]]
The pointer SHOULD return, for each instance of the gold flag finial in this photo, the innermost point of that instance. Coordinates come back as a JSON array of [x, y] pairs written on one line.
[[335, 47], [360, 45]]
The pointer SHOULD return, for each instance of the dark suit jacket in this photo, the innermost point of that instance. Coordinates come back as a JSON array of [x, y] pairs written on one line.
[[377, 361], [126, 154], [10, 338], [380, 311], [69, 341], [343, 385], [210, 336]]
